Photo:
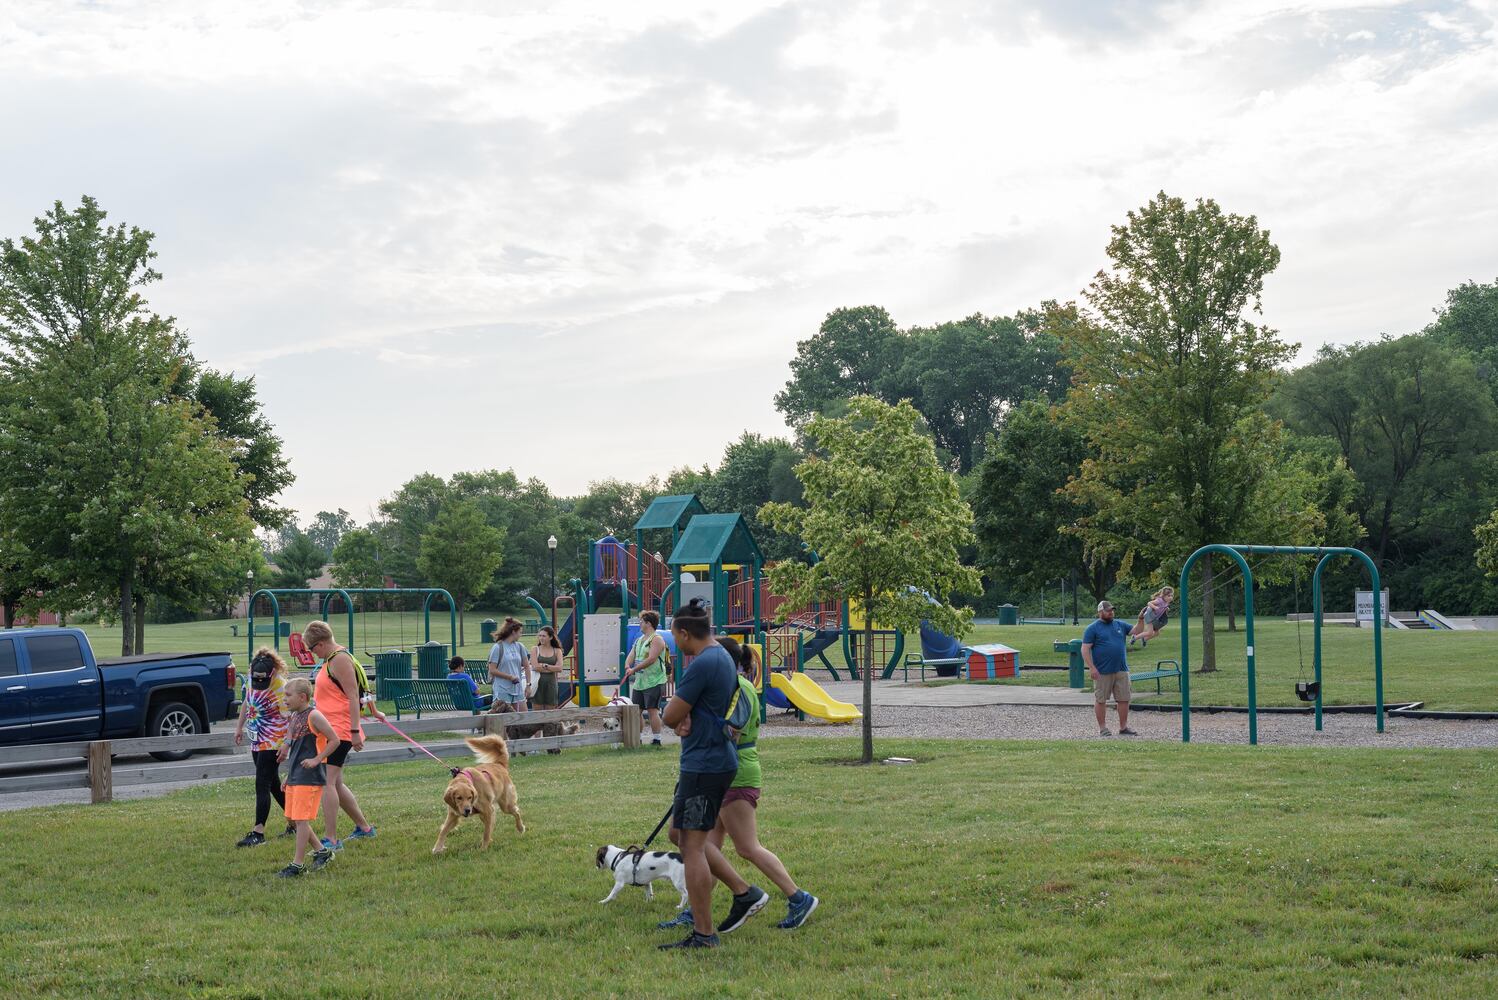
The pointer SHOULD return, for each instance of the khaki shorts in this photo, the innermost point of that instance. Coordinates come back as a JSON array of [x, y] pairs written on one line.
[[1115, 686]]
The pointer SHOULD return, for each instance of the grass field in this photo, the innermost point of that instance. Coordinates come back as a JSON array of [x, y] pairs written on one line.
[[1013, 869], [1446, 670]]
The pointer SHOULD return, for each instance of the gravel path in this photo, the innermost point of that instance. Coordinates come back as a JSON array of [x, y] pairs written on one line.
[[1028, 722]]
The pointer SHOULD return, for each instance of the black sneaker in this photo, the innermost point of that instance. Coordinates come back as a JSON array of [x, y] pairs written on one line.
[[692, 940], [320, 858], [751, 902], [290, 830], [292, 871], [656, 742], [251, 839]]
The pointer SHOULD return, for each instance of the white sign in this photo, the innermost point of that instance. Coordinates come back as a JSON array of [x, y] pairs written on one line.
[[1365, 605]]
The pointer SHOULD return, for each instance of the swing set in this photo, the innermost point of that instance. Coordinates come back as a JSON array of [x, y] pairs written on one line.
[[325, 598], [1305, 690]]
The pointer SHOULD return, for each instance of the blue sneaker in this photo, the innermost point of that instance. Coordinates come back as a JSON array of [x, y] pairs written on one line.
[[682, 919], [359, 834], [332, 845], [797, 912]]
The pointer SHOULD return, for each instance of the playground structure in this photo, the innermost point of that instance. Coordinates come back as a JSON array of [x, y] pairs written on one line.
[[1237, 553], [325, 603]]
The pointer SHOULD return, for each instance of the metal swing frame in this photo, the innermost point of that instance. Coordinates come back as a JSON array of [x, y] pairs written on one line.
[[1237, 553]]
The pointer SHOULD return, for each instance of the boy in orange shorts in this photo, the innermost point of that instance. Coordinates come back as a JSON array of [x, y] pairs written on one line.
[[309, 741]]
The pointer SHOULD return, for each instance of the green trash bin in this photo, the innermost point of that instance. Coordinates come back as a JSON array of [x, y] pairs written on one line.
[[286, 630], [431, 661], [1076, 670], [389, 665], [1008, 614], [487, 628]]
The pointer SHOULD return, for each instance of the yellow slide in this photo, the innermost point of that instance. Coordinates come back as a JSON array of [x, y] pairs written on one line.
[[809, 696]]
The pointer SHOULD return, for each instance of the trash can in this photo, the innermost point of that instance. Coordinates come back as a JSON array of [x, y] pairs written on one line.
[[1076, 675], [431, 661], [389, 665], [1008, 614], [487, 628], [286, 630]]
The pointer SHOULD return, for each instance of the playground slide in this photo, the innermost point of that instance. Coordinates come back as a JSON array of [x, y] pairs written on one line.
[[807, 695]]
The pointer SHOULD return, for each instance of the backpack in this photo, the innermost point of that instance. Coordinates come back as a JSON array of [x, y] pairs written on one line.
[[740, 709]]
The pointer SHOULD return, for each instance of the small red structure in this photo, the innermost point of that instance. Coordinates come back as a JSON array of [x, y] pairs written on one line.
[[991, 660]]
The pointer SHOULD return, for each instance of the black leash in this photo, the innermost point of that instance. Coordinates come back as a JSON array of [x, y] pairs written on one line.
[[656, 832]]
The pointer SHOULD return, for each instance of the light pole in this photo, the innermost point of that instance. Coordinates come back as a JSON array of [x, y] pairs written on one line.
[[249, 591], [551, 545]]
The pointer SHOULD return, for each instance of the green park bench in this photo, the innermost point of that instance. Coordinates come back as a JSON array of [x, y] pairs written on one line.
[[954, 664], [416, 694], [259, 630], [1158, 674]]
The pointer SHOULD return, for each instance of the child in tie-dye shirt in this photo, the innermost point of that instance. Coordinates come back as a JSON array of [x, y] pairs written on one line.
[[263, 716]]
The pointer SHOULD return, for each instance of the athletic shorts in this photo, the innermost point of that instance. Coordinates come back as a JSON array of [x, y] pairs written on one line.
[[1115, 685], [648, 698], [337, 757], [749, 795], [1158, 623], [698, 799], [302, 801]]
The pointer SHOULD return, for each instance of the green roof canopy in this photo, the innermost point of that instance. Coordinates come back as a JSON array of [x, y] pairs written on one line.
[[716, 538], [670, 512]]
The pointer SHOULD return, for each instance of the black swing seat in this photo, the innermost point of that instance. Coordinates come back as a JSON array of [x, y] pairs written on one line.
[[1307, 690]]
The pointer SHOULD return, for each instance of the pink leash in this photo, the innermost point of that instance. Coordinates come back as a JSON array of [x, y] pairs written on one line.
[[453, 770]]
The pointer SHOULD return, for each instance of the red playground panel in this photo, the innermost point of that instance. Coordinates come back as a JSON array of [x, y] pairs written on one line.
[[991, 660]]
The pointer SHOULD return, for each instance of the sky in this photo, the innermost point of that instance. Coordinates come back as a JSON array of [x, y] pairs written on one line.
[[582, 240]]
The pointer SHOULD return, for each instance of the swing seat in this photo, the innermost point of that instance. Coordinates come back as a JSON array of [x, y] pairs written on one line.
[[299, 650], [1307, 690]]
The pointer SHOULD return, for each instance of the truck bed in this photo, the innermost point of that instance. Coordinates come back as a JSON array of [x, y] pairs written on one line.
[[115, 661]]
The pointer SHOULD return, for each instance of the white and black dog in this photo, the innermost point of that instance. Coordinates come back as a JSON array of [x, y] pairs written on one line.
[[637, 866]]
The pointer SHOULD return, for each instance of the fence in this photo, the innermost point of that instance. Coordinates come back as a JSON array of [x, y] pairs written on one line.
[[101, 775]]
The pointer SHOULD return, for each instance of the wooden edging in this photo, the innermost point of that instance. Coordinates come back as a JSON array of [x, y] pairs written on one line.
[[101, 776]]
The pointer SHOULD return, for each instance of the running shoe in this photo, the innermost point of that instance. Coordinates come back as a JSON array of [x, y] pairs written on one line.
[[692, 940], [798, 909], [290, 830], [751, 902], [252, 839], [292, 871], [332, 845], [682, 919], [321, 858], [359, 834]]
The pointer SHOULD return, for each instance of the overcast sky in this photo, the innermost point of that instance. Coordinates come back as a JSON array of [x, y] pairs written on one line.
[[582, 239]]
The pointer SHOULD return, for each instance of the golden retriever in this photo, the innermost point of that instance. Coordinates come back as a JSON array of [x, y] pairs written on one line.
[[484, 789]]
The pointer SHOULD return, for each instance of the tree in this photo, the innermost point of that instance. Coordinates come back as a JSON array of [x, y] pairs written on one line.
[[1170, 378], [327, 528], [357, 560], [300, 562], [110, 478], [406, 516], [613, 506], [755, 471], [1023, 512], [886, 523], [1469, 323], [1414, 422], [850, 354], [260, 467], [460, 552]]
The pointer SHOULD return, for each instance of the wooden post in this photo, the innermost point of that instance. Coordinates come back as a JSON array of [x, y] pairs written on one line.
[[629, 726], [100, 772]]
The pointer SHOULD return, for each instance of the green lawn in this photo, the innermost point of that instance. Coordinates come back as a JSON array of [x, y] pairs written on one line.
[[1446, 670], [1026, 869]]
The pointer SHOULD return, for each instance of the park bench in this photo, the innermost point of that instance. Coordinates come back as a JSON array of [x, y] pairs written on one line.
[[416, 694], [1158, 674], [259, 630], [949, 667]]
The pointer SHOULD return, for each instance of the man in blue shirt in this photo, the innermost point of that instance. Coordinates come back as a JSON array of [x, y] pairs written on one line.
[[709, 761], [1105, 651]]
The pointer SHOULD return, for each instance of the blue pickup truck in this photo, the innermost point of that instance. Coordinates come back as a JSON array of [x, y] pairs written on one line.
[[53, 690]]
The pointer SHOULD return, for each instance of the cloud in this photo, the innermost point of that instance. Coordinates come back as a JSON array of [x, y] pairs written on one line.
[[554, 232]]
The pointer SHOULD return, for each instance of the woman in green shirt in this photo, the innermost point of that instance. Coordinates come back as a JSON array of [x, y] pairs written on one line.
[[736, 817], [647, 662]]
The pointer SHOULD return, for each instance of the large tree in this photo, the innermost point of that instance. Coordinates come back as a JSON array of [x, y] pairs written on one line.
[[299, 563], [357, 560], [405, 517], [1024, 512], [111, 478], [260, 465], [1170, 375], [1469, 323], [328, 527], [886, 523], [460, 552], [853, 352], [755, 471]]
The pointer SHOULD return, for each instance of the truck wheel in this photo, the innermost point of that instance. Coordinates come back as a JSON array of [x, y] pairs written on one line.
[[174, 718]]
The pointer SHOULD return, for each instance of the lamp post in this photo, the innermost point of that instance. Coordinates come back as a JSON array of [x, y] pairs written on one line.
[[551, 545], [249, 590]]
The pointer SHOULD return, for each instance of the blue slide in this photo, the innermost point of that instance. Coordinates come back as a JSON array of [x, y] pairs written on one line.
[[936, 645]]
